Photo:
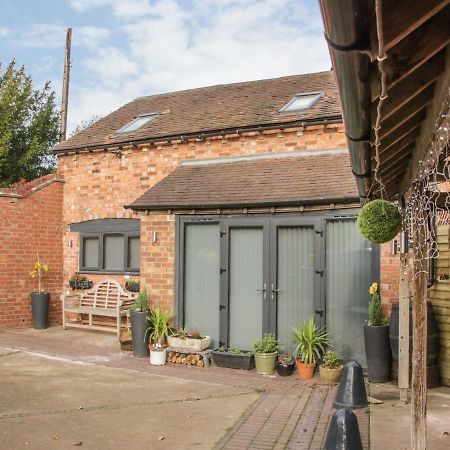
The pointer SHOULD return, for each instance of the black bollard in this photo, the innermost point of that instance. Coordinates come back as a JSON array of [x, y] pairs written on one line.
[[351, 392], [343, 432]]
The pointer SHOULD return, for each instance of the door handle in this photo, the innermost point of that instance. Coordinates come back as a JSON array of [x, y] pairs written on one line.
[[263, 290], [274, 291]]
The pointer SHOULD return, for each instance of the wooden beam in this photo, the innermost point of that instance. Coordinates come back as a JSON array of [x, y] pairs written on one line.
[[402, 17], [416, 49], [403, 323], [412, 85], [394, 150], [394, 175], [419, 353], [398, 160], [403, 130]]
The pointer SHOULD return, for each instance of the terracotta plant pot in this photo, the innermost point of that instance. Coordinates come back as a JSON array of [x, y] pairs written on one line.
[[330, 375], [305, 371]]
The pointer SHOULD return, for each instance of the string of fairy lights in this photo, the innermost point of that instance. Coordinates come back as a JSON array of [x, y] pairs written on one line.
[[429, 194]]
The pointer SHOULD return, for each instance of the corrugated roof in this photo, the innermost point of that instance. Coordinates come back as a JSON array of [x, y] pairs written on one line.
[[315, 177], [214, 108]]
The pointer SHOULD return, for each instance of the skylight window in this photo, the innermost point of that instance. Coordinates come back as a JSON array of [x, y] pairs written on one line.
[[138, 123], [301, 102]]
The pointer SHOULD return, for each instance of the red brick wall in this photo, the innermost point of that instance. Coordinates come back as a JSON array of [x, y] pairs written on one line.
[[29, 226], [99, 184], [390, 276]]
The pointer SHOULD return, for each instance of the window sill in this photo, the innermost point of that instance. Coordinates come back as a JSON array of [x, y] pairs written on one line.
[[105, 272]]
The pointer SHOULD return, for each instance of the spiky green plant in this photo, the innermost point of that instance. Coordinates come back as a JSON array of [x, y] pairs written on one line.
[[310, 341], [140, 302], [160, 324]]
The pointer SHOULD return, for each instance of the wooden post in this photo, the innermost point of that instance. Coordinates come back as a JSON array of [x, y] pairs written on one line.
[[65, 87], [403, 328], [419, 361]]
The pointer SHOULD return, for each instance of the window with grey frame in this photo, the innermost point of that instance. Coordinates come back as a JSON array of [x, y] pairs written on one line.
[[109, 245]]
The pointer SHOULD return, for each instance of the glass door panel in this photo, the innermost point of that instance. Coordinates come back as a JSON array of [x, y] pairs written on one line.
[[349, 275], [245, 286], [295, 280], [201, 279]]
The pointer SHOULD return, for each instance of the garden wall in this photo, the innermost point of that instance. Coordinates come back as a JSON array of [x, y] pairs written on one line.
[[30, 225]]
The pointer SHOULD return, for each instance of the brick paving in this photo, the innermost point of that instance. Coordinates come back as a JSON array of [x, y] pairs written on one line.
[[289, 413]]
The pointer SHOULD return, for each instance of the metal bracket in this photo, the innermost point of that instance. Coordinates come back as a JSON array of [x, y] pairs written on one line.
[[319, 232], [319, 272], [223, 269]]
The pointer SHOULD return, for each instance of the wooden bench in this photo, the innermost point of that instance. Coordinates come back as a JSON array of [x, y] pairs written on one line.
[[106, 298]]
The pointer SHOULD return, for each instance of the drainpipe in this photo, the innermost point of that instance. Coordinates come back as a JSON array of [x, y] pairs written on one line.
[[347, 33]]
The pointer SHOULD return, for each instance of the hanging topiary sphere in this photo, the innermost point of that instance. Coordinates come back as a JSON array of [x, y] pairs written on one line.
[[379, 221]]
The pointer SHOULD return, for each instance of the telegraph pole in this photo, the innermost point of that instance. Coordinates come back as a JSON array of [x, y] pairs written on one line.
[[65, 86]]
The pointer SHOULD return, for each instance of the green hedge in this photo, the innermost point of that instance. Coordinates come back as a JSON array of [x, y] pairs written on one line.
[[379, 221]]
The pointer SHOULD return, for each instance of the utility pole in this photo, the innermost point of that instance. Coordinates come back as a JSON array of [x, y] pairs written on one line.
[[65, 86]]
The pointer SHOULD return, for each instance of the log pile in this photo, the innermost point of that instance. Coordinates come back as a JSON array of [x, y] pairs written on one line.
[[186, 359]]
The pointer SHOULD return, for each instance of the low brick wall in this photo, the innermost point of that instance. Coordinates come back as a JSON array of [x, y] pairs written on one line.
[[30, 224]]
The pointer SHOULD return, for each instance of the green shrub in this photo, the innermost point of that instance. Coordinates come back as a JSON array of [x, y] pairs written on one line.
[[140, 302], [268, 344], [332, 360], [310, 341], [379, 221], [376, 315]]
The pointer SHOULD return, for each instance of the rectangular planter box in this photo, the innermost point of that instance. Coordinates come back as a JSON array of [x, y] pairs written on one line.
[[245, 361], [188, 343]]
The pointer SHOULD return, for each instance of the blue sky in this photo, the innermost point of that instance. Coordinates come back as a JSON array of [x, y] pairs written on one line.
[[123, 49]]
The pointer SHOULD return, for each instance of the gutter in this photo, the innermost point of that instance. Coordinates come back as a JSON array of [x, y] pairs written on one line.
[[273, 203], [203, 134], [347, 33]]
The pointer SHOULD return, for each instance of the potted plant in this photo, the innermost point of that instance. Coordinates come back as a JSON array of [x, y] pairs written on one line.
[[39, 300], [376, 340], [285, 365], [331, 370], [158, 355], [132, 285], [266, 350], [77, 281], [310, 342], [160, 326], [233, 358], [139, 313], [189, 340]]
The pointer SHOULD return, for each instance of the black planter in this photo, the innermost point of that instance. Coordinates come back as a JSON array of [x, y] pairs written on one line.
[[139, 325], [133, 287], [245, 361], [285, 370], [39, 309], [378, 353]]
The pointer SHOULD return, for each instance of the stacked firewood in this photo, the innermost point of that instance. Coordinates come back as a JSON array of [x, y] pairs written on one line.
[[186, 359]]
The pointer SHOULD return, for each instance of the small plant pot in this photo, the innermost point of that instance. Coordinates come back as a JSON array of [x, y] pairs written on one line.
[[305, 371], [39, 309], [197, 345], [285, 370], [330, 375], [245, 361], [133, 287], [265, 363], [139, 325], [158, 357]]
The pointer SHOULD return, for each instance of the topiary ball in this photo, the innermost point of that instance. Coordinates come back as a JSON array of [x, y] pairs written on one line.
[[379, 221]]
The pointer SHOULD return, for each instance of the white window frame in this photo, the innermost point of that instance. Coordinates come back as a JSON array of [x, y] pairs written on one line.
[[317, 95]]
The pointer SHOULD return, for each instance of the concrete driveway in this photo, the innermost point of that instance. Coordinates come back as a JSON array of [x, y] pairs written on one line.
[[51, 402]]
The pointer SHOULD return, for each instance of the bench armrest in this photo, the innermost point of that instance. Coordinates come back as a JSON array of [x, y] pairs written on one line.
[[71, 300]]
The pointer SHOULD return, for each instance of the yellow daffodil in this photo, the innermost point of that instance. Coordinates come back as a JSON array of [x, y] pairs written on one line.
[[373, 289]]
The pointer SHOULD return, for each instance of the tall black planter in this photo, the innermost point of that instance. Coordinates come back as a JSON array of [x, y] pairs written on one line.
[[39, 309], [139, 325], [378, 353]]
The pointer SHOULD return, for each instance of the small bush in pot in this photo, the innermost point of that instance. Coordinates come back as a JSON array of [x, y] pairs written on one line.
[[266, 351], [39, 300], [189, 340], [285, 365], [376, 340], [158, 355], [160, 325], [77, 281], [311, 342], [233, 358], [139, 313], [132, 285], [331, 369]]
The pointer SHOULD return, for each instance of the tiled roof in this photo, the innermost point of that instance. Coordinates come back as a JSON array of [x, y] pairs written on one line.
[[276, 180], [214, 108]]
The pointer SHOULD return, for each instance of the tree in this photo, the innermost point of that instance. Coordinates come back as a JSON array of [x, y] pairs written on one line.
[[85, 124], [29, 126]]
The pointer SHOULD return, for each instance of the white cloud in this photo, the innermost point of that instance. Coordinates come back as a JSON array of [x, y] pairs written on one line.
[[4, 31], [167, 45]]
